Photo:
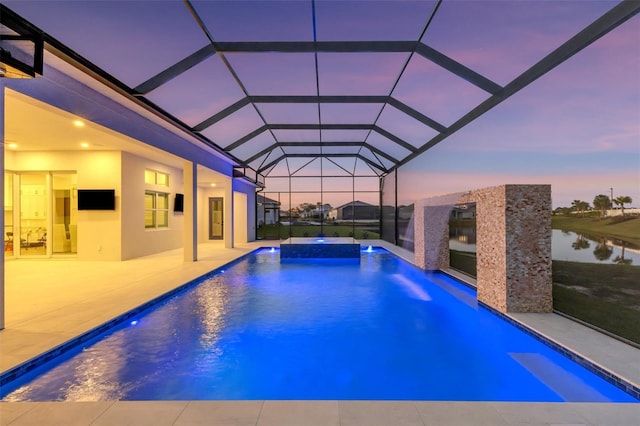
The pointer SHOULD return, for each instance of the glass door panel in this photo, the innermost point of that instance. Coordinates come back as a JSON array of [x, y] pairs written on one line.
[[33, 214], [216, 219], [65, 214], [8, 214]]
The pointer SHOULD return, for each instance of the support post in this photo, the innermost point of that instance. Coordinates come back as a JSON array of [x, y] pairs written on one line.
[[190, 237], [431, 236], [228, 213]]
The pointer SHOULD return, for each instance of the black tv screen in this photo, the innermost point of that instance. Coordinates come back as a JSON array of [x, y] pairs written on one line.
[[178, 205], [96, 199]]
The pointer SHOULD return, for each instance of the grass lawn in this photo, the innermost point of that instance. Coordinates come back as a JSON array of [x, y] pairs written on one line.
[[627, 229], [283, 232], [607, 296]]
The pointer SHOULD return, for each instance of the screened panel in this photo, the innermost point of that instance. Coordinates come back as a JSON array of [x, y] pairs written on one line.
[[388, 213], [331, 167], [337, 184], [359, 73], [130, 40], [256, 20], [340, 150], [297, 135], [344, 162], [304, 166], [344, 135], [427, 88], [388, 146], [349, 113], [513, 35], [262, 160], [367, 184], [303, 184], [234, 127], [254, 145], [279, 169], [199, 92], [311, 150], [276, 184], [405, 127], [289, 113], [367, 153], [275, 73], [363, 169], [374, 20]]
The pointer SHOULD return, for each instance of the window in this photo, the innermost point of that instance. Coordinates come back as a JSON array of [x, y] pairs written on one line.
[[152, 177], [156, 209]]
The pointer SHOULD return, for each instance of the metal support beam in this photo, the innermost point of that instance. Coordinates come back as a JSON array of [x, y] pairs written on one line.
[[222, 114], [175, 70], [417, 115], [615, 17], [458, 69], [246, 138]]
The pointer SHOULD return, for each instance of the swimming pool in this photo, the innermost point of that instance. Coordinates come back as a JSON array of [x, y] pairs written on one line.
[[377, 329]]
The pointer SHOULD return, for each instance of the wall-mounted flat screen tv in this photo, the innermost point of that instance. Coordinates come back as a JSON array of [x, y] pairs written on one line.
[[96, 199], [178, 204]]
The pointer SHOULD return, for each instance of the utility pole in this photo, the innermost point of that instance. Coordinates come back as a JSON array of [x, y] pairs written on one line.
[[611, 197], [611, 200]]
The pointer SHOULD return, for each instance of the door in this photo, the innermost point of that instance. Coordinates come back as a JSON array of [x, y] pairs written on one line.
[[216, 218]]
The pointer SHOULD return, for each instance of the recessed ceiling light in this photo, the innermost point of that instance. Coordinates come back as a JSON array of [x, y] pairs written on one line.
[[12, 145], [78, 123], [84, 144]]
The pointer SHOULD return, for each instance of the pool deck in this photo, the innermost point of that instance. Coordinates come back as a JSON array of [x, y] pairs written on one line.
[[52, 301]]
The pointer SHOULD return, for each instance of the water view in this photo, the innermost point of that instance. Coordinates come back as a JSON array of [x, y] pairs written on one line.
[[565, 245]]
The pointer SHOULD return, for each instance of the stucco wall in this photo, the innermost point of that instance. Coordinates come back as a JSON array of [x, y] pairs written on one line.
[[136, 239]]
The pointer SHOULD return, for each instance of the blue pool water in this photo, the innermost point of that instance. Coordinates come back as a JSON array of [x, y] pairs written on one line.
[[378, 329]]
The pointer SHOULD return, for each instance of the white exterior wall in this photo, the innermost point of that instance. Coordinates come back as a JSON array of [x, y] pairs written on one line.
[[99, 236], [204, 194], [239, 218], [136, 239]]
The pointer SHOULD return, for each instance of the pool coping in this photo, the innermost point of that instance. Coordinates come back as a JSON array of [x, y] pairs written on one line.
[[40, 360]]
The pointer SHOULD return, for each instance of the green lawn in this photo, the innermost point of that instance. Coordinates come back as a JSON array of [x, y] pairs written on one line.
[[283, 232], [607, 296], [610, 316]]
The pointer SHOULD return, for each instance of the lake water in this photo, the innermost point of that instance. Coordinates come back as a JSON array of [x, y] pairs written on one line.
[[568, 246]]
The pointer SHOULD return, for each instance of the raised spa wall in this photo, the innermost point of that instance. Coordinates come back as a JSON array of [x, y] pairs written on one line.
[[513, 240]]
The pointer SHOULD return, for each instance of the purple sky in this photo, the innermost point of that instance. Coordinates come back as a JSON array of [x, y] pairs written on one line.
[[577, 128]]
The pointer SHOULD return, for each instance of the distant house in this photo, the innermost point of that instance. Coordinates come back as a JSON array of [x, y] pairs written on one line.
[[268, 210], [318, 211], [355, 210], [464, 211]]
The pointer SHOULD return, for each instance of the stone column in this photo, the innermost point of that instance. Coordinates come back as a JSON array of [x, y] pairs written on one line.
[[513, 226], [431, 236], [514, 247]]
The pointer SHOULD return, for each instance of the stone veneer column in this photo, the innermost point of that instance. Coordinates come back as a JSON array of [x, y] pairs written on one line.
[[513, 226], [431, 236]]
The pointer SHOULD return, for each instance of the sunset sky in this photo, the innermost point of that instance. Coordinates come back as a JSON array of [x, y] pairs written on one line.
[[577, 128]]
